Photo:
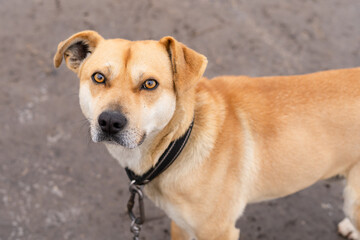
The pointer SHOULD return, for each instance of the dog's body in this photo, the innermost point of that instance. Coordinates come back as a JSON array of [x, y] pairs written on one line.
[[253, 139]]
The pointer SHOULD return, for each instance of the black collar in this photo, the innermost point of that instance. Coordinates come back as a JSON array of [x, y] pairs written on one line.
[[166, 159]]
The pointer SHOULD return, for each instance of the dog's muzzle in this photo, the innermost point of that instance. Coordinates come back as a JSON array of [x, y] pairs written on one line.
[[113, 129]]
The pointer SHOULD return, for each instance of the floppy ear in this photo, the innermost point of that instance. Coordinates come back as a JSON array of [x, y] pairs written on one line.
[[76, 48], [187, 65]]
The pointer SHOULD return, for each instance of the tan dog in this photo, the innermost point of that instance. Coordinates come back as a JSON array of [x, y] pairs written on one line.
[[253, 139]]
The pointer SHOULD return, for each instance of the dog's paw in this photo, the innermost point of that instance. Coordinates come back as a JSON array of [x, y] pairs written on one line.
[[347, 230]]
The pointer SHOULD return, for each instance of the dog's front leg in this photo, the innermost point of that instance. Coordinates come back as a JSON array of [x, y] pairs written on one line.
[[208, 231], [177, 233], [350, 226]]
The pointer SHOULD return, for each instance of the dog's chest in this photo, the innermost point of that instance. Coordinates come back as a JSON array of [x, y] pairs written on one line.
[[171, 209]]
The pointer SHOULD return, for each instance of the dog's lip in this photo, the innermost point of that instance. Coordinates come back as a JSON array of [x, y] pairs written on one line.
[[113, 139]]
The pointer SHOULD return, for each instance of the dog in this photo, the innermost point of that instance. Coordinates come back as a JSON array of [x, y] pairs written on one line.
[[252, 139]]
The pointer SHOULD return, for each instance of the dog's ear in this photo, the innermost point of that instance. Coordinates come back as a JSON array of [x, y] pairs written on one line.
[[76, 48], [187, 65]]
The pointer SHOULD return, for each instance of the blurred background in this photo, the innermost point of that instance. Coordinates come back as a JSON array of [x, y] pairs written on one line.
[[57, 185]]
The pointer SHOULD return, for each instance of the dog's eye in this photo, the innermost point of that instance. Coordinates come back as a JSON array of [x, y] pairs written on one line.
[[98, 77], [150, 84]]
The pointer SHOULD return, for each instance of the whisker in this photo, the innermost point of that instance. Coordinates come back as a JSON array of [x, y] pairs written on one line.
[[89, 136]]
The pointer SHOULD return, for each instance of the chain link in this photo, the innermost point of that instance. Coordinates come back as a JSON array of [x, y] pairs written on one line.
[[136, 222], [135, 229]]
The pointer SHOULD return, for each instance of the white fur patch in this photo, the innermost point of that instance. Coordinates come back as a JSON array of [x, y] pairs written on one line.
[[112, 70], [86, 100], [158, 115], [249, 165], [87, 107], [137, 70], [347, 229], [126, 157]]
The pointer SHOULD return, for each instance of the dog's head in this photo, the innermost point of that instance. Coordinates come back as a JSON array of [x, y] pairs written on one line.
[[129, 91]]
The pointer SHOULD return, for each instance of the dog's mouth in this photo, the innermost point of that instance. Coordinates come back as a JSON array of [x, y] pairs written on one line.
[[128, 139]]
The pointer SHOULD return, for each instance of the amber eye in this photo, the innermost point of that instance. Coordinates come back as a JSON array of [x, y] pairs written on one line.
[[150, 84], [98, 77]]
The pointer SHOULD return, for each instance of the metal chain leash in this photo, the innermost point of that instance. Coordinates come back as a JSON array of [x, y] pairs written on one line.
[[136, 222], [135, 188]]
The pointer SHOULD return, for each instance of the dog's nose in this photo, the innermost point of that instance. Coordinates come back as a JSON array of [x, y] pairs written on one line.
[[112, 122]]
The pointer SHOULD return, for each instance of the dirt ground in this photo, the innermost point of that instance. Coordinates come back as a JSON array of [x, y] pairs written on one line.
[[57, 185]]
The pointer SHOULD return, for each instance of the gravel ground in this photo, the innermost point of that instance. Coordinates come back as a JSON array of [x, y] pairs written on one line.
[[57, 185]]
